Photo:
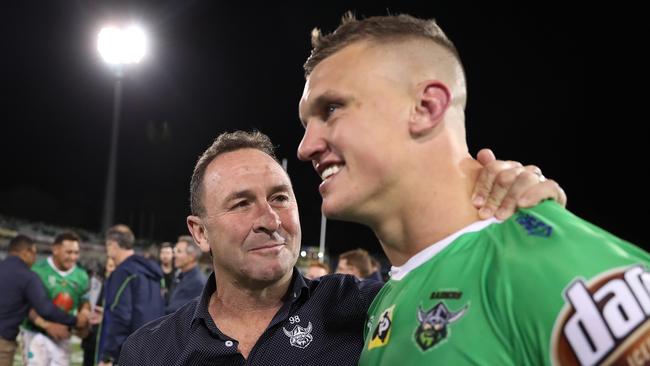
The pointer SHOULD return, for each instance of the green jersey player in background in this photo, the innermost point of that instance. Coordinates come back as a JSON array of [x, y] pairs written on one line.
[[383, 110], [67, 285]]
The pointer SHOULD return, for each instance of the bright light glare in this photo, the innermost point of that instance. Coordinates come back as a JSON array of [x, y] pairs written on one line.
[[122, 46], [303, 253], [320, 254]]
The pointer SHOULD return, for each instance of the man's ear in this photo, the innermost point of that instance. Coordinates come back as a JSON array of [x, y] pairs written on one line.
[[195, 225], [432, 103]]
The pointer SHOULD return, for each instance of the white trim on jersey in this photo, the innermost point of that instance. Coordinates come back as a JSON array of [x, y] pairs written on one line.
[[398, 273], [50, 261]]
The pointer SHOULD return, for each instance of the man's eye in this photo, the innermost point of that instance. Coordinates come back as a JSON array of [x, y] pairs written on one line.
[[240, 204], [330, 109], [281, 198]]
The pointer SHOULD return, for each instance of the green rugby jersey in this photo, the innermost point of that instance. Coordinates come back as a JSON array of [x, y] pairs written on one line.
[[68, 290], [543, 287]]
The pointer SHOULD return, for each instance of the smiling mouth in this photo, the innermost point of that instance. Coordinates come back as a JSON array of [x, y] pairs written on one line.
[[265, 248], [331, 171]]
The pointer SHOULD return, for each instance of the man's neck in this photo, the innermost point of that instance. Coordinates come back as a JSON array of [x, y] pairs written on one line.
[[188, 267], [166, 268], [237, 296], [57, 266], [23, 257], [122, 255], [428, 214]]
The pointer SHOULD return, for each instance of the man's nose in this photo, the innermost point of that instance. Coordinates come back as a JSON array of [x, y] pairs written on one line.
[[268, 221], [312, 143]]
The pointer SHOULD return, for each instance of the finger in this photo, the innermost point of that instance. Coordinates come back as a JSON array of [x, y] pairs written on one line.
[[521, 185], [502, 183], [544, 190], [485, 157], [537, 171], [486, 180]]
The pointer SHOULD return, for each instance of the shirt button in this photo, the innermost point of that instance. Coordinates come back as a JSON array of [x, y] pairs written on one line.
[[228, 343]]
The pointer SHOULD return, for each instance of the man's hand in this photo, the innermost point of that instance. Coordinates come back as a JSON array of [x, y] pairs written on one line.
[[82, 319], [56, 331], [96, 315], [503, 186], [102, 363]]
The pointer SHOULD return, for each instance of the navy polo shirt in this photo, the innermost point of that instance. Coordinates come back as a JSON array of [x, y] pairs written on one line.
[[320, 323]]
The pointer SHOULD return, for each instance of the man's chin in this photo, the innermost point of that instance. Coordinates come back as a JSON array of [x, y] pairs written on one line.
[[334, 210]]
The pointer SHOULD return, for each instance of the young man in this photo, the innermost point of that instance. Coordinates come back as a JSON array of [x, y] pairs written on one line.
[[166, 256], [383, 111], [256, 309], [67, 286]]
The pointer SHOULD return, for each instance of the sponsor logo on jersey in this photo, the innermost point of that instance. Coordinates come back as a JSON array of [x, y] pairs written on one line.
[[446, 295], [381, 335], [605, 320], [533, 225], [434, 324], [298, 336], [64, 301]]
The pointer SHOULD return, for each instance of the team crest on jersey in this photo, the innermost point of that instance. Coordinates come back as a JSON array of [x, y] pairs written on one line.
[[298, 336], [434, 324], [381, 335], [605, 320]]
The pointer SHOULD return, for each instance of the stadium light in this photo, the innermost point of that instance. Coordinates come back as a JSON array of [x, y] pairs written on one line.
[[122, 46], [118, 47]]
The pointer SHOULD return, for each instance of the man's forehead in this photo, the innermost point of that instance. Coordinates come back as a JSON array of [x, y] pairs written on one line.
[[246, 167], [70, 243], [337, 74], [243, 161]]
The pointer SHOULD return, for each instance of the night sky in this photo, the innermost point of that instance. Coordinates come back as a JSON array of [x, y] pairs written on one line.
[[216, 66]]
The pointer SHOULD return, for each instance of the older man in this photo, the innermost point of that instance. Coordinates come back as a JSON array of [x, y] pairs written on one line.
[[190, 280]]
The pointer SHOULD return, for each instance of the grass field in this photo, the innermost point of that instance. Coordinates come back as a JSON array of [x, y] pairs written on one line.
[[75, 360]]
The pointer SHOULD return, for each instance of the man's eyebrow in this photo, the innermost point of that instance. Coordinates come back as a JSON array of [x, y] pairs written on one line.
[[244, 193], [327, 97], [281, 188]]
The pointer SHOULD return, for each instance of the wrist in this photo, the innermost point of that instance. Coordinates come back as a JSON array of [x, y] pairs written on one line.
[[41, 323]]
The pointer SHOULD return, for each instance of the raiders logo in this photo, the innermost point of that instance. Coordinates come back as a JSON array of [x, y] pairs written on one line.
[[298, 336], [434, 323], [605, 320]]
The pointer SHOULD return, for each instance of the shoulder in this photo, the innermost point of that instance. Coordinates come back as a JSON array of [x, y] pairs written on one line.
[[345, 290], [169, 332], [41, 265], [540, 256], [549, 234], [81, 274]]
